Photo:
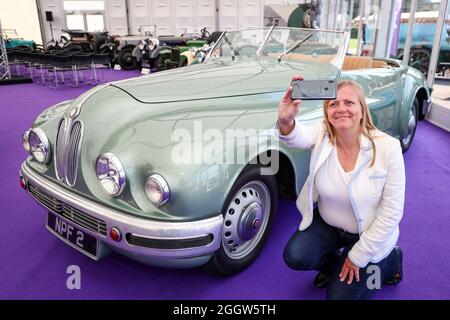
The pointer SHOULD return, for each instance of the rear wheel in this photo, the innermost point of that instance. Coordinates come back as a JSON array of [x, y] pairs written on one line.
[[249, 212], [412, 125]]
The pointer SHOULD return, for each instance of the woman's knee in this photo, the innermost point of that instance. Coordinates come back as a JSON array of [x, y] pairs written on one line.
[[298, 258]]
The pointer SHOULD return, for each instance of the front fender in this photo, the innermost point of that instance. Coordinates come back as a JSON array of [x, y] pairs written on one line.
[[414, 82], [189, 56], [55, 111]]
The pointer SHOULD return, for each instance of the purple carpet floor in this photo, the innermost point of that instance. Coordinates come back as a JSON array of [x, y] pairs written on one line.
[[33, 262]]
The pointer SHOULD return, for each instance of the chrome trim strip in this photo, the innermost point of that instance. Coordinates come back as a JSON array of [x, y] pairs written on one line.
[[59, 149], [138, 226], [74, 157]]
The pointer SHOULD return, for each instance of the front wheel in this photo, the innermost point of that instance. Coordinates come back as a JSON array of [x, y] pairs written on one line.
[[126, 59], [249, 211], [412, 125]]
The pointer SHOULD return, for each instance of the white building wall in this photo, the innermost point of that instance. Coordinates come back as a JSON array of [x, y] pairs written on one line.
[[21, 15]]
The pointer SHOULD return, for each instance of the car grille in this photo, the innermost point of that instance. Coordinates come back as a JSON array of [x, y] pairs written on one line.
[[59, 147], [67, 154], [72, 152], [87, 221]]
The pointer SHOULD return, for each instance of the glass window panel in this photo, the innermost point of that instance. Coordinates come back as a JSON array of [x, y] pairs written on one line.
[[75, 21], [95, 22]]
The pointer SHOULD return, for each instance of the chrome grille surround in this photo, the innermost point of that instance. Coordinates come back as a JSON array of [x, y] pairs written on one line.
[[69, 139], [73, 152]]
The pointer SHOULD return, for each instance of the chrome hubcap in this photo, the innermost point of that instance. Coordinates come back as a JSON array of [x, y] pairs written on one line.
[[246, 219], [412, 123]]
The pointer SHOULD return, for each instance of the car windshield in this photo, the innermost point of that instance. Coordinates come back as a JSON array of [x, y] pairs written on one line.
[[284, 43]]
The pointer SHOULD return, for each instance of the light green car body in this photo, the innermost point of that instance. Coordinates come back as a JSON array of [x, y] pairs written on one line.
[[134, 119]]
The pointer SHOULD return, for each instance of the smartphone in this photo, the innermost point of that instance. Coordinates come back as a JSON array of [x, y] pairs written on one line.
[[318, 89]]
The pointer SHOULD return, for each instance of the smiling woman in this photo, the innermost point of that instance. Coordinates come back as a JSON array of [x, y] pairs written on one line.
[[350, 155]]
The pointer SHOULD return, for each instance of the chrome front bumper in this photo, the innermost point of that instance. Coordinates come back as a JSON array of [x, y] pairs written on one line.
[[149, 239]]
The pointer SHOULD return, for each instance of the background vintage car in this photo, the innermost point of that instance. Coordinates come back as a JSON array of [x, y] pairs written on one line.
[[135, 200]]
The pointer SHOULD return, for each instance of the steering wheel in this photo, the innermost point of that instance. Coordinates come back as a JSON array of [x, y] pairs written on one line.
[[205, 33]]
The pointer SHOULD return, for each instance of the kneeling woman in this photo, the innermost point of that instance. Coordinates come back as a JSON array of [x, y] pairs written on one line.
[[357, 180]]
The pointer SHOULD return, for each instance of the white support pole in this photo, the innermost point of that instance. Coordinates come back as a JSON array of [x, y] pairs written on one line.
[[409, 33], [437, 43], [384, 27], [343, 11], [352, 8], [361, 12]]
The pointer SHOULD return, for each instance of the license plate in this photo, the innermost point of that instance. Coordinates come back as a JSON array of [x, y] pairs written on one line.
[[72, 235]]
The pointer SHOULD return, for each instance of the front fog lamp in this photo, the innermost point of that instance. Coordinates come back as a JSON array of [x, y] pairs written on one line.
[[110, 174], [25, 142], [38, 145], [157, 190]]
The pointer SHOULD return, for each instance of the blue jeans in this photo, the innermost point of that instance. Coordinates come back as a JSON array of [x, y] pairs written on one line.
[[316, 248]]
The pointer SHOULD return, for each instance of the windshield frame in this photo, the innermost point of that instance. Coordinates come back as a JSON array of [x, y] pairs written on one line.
[[338, 60]]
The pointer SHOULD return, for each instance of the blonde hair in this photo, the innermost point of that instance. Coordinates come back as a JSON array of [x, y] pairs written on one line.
[[367, 126]]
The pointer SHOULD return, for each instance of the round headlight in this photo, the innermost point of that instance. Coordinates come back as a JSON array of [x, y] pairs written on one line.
[[25, 142], [110, 174], [157, 190], [39, 145]]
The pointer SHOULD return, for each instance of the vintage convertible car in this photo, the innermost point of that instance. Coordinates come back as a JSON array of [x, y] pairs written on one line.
[[182, 168]]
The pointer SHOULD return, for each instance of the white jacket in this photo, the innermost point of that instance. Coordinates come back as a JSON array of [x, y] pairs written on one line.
[[377, 193]]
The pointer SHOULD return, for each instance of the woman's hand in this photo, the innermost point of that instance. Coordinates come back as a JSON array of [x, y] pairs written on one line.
[[287, 110], [349, 269]]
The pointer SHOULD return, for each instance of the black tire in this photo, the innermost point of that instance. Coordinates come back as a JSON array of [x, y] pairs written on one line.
[[406, 141], [74, 48], [214, 37], [126, 60], [221, 264], [160, 62]]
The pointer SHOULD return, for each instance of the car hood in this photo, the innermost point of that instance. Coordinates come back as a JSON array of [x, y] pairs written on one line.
[[220, 78]]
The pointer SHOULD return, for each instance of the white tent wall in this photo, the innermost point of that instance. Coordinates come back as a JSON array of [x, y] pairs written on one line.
[[115, 17], [172, 16], [21, 15]]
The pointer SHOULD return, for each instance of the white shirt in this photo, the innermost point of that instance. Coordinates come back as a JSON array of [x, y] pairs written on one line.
[[331, 182]]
